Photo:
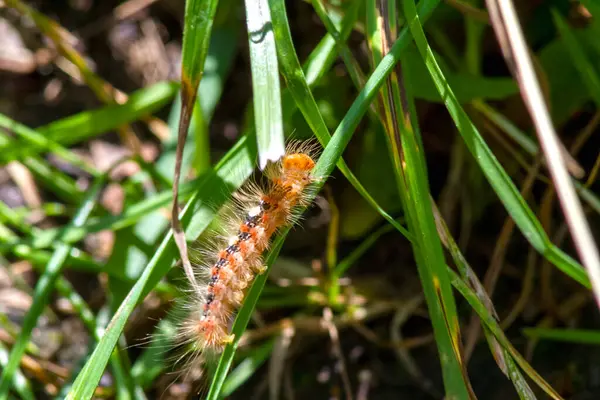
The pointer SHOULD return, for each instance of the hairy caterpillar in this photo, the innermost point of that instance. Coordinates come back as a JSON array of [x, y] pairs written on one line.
[[234, 257]]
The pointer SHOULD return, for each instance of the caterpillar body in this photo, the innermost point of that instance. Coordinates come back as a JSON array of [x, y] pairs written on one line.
[[235, 256]]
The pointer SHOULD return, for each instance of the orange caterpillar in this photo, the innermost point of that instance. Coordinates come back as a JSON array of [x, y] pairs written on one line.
[[237, 257]]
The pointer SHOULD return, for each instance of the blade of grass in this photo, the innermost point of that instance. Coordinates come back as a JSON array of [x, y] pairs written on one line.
[[582, 63], [126, 385], [32, 140], [514, 203], [247, 368], [87, 124], [214, 189], [501, 355], [407, 151], [265, 82], [298, 87], [44, 288], [198, 21], [495, 329], [19, 382], [581, 336]]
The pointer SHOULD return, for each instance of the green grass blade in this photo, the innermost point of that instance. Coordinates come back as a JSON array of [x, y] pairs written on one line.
[[299, 89], [582, 63], [501, 355], [245, 369], [265, 82], [198, 22], [87, 124], [44, 288], [32, 141], [405, 144], [227, 176], [581, 336], [499, 180], [20, 383]]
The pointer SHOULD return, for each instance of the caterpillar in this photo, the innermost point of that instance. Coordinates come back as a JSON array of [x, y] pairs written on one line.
[[233, 259]]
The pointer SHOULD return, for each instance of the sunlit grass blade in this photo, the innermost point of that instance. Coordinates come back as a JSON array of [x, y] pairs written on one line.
[[44, 288], [266, 93], [298, 87], [401, 126], [31, 141], [87, 124], [499, 180], [221, 54], [198, 19], [213, 189]]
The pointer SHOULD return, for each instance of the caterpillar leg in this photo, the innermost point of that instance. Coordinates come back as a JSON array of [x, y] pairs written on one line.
[[261, 269], [228, 339]]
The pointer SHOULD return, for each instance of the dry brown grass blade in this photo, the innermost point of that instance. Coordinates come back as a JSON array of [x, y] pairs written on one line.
[[512, 42]]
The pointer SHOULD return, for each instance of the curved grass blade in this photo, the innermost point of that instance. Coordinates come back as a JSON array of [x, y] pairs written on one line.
[[502, 356], [87, 124], [299, 89], [199, 18], [499, 180], [214, 189], [401, 126], [44, 288], [265, 82], [221, 53]]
